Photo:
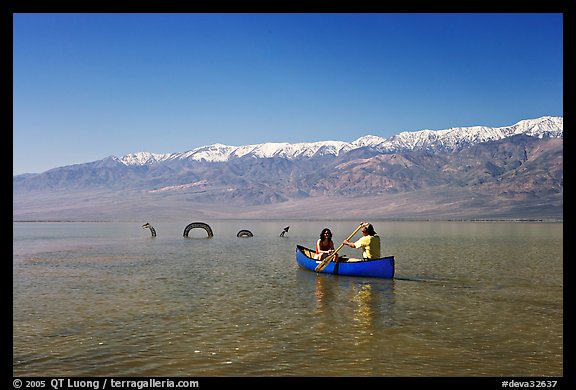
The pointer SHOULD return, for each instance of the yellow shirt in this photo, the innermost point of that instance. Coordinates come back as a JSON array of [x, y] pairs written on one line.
[[370, 246]]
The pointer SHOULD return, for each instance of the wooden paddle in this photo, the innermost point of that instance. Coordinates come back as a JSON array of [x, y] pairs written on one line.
[[328, 259]]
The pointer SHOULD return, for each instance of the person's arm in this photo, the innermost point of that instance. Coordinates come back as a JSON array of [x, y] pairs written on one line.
[[348, 243]]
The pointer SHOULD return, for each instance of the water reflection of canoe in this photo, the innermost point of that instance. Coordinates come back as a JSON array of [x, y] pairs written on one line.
[[377, 268]]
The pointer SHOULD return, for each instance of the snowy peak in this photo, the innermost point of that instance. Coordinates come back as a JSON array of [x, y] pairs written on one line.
[[289, 151], [448, 139], [547, 126], [215, 153], [459, 137], [368, 140], [222, 153], [143, 158]]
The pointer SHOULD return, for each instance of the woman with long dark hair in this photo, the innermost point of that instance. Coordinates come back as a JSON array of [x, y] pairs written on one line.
[[325, 245]]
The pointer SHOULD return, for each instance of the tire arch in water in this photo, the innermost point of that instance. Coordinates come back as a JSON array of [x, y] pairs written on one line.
[[244, 233], [198, 225]]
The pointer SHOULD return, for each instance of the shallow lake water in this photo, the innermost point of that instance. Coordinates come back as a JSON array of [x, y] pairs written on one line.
[[470, 299]]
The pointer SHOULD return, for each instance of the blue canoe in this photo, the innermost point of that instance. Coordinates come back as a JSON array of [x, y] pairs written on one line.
[[377, 268]]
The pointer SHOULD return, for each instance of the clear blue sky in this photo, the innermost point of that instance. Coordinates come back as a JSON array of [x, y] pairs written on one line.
[[87, 86]]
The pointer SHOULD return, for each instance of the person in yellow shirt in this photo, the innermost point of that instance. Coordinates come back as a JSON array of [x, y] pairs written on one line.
[[369, 242]]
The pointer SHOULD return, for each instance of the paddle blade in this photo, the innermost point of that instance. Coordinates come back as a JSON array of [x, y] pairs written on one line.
[[324, 263]]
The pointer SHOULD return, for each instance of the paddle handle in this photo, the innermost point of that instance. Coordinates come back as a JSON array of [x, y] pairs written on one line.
[[328, 259]]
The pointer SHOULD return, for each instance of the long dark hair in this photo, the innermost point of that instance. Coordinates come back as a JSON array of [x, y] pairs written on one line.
[[325, 230]]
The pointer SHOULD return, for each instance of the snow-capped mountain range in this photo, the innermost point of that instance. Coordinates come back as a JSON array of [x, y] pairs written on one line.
[[479, 171], [446, 140]]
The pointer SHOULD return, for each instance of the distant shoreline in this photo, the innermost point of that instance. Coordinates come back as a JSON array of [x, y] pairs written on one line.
[[542, 220]]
